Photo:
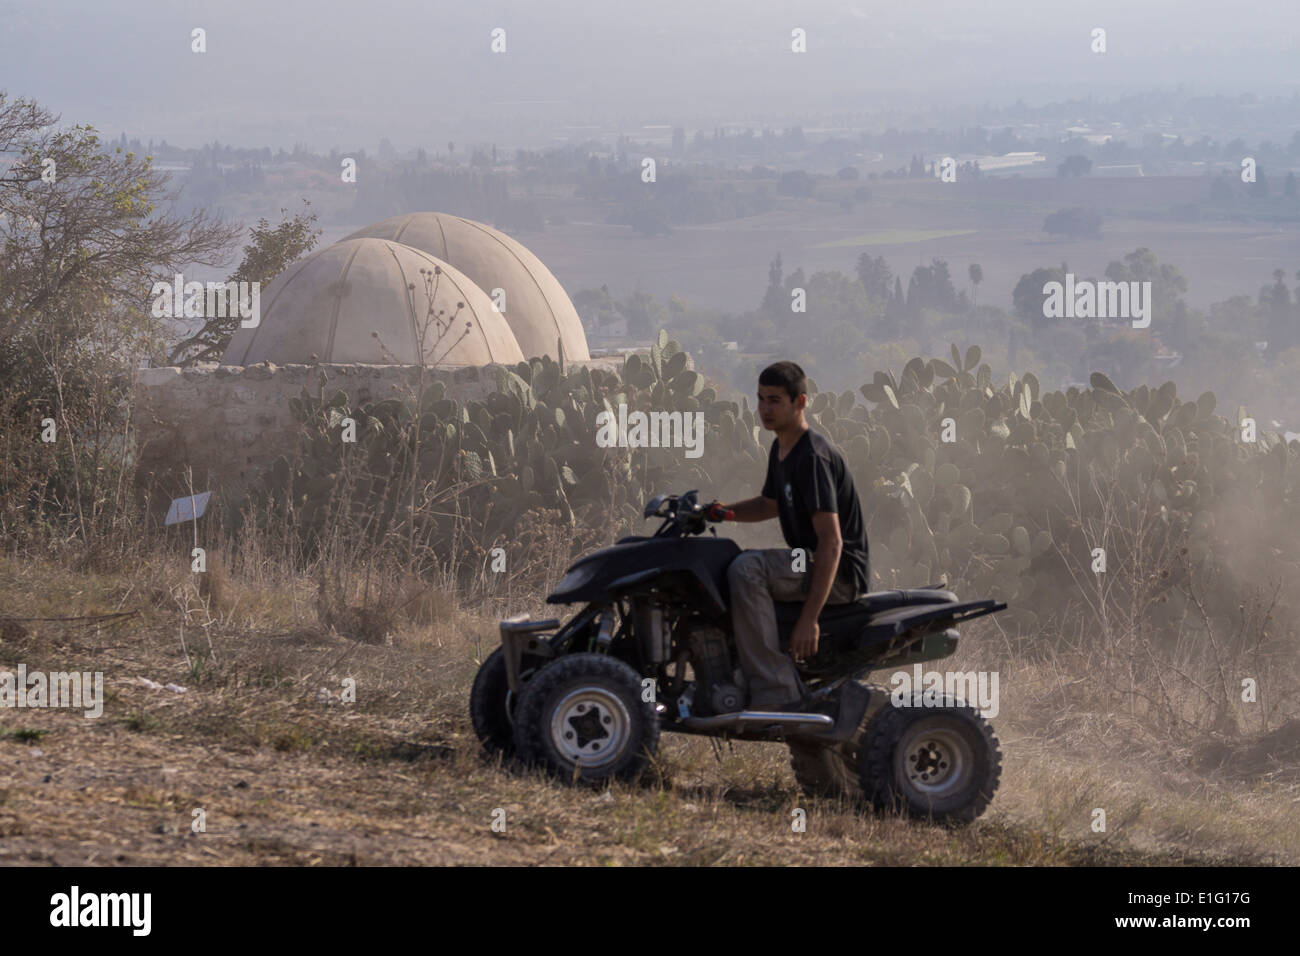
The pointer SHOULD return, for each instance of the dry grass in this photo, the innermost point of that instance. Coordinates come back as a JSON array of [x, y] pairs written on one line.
[[288, 774]]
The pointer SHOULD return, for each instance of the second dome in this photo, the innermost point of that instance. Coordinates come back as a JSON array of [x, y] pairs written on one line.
[[328, 307], [537, 308]]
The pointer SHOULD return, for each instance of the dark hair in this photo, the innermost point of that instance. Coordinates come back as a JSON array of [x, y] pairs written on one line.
[[786, 375]]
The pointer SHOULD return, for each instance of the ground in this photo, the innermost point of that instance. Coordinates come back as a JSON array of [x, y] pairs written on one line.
[[287, 774]]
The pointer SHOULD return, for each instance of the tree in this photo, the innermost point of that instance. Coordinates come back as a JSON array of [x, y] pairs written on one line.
[[269, 253], [1289, 186], [647, 222], [1027, 297], [1141, 265], [772, 298], [1259, 188], [834, 299], [644, 313], [931, 288], [795, 280], [82, 240], [1276, 299], [875, 276], [1076, 222], [795, 183], [976, 274], [895, 312], [1074, 166], [84, 250], [595, 307]]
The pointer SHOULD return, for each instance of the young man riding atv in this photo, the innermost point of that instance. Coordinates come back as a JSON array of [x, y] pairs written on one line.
[[809, 488], [661, 620]]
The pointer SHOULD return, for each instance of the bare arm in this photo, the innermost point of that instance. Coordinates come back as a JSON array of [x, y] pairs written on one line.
[[755, 509], [806, 635], [826, 562]]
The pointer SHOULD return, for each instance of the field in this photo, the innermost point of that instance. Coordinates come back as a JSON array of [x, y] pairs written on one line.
[[286, 773], [996, 223]]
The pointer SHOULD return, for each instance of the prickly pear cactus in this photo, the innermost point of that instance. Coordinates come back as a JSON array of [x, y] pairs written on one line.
[[997, 487]]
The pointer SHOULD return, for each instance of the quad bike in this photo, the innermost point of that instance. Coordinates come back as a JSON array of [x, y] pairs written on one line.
[[651, 648]]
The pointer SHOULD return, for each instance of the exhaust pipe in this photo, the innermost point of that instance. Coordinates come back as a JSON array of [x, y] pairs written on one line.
[[748, 718]]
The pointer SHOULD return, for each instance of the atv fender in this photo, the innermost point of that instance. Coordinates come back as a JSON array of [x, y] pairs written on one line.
[[890, 624], [519, 636]]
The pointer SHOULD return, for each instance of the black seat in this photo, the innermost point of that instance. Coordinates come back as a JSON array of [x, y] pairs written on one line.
[[878, 601], [867, 604]]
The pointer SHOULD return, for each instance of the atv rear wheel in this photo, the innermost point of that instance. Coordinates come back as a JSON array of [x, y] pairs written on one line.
[[829, 769], [825, 770], [939, 763], [582, 716]]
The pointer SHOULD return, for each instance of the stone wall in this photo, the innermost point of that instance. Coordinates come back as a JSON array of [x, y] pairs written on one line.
[[228, 422]]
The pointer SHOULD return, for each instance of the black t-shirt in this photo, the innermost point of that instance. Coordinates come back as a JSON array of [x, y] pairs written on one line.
[[814, 477]]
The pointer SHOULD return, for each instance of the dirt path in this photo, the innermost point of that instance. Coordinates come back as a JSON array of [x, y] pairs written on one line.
[[89, 793]]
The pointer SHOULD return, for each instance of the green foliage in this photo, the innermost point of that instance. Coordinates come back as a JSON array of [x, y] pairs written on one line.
[[79, 253], [1073, 222], [1034, 481], [270, 251], [1011, 509], [84, 233], [528, 445]]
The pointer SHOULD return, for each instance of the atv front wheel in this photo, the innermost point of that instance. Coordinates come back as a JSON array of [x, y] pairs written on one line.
[[582, 716], [492, 704], [939, 763]]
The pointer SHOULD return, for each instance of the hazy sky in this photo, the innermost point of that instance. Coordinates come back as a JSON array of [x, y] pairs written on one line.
[[334, 72]]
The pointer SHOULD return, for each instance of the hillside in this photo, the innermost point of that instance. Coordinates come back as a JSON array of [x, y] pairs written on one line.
[[285, 777]]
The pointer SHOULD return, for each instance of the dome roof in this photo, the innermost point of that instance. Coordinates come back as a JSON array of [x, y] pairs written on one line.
[[330, 303], [536, 305]]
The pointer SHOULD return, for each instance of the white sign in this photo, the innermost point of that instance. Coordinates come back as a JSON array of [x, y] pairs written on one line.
[[187, 508]]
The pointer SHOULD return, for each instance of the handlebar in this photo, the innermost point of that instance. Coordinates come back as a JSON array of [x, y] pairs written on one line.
[[684, 515]]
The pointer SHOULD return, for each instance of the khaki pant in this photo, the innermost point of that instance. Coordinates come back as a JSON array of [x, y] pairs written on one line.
[[757, 578]]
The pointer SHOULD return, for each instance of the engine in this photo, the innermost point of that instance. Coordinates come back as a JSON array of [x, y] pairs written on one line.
[[715, 689]]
